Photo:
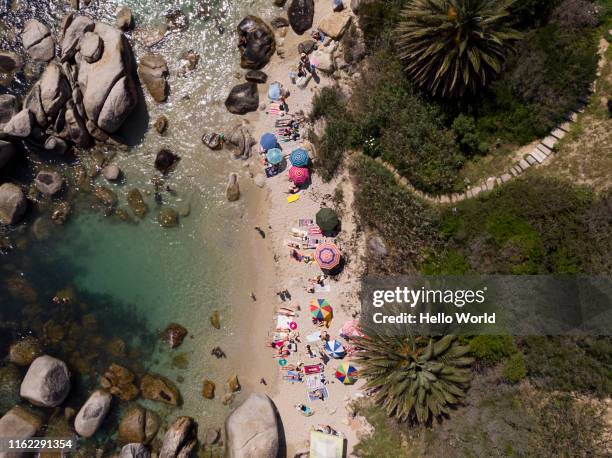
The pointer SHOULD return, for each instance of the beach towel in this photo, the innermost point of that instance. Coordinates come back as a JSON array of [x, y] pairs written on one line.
[[304, 222], [282, 321], [322, 289], [293, 198], [312, 369], [314, 337], [314, 381]]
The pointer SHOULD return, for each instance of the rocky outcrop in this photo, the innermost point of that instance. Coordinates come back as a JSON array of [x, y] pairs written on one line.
[[241, 142], [251, 430], [301, 15], [124, 18], [48, 182], [13, 203], [19, 423], [256, 42], [37, 41], [8, 108], [153, 72], [20, 125], [138, 425], [232, 190], [180, 439], [334, 25], [91, 47], [25, 351], [243, 98], [47, 382], [92, 414], [158, 388], [134, 451], [174, 334]]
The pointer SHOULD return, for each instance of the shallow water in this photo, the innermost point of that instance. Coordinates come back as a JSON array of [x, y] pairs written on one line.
[[137, 278]]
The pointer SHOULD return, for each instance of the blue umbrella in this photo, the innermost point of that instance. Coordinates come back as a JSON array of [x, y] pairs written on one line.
[[274, 156], [299, 157], [268, 141], [274, 92], [335, 349]]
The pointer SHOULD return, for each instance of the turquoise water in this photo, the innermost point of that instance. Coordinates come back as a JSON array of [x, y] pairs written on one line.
[[137, 278]]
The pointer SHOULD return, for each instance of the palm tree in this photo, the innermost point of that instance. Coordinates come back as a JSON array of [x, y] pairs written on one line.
[[454, 47], [414, 378]]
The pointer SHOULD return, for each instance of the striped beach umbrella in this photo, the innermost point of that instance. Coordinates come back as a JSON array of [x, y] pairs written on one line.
[[334, 349], [327, 256], [346, 373], [321, 309], [299, 157], [274, 156], [299, 175], [268, 141]]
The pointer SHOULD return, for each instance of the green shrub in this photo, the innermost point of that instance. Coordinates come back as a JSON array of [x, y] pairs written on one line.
[[377, 19], [326, 102], [467, 136], [492, 349], [514, 368]]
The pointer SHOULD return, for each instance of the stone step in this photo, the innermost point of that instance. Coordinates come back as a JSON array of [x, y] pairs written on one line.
[[523, 164], [505, 177], [531, 160], [540, 156], [544, 149], [566, 126], [558, 133], [549, 141]]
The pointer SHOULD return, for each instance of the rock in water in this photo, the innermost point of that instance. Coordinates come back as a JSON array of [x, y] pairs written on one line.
[[138, 425], [180, 439], [257, 43], [166, 160], [301, 14], [215, 320], [233, 385], [37, 41], [242, 141], [176, 20], [208, 389], [137, 203], [232, 191], [8, 108], [92, 414], [334, 25], [212, 140], [91, 47], [111, 172], [161, 124], [153, 72], [243, 98], [168, 217], [174, 334], [20, 125], [13, 203], [251, 430], [212, 436], [25, 351], [124, 18], [279, 22], [134, 451], [10, 62], [48, 182], [109, 92], [19, 423], [256, 76], [106, 196], [158, 388], [47, 382], [260, 180]]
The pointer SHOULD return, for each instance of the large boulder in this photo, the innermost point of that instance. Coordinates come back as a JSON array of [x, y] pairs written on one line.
[[335, 24], [158, 388], [8, 108], [124, 18], [19, 423], [166, 160], [232, 190], [240, 141], [134, 451], [92, 414], [251, 429], [73, 30], [37, 40], [174, 334], [301, 14], [138, 425], [54, 92], [91, 47], [76, 129], [7, 151], [107, 85], [48, 182], [13, 203], [20, 125], [243, 98], [47, 382], [180, 439], [256, 76], [324, 60], [153, 72], [256, 42]]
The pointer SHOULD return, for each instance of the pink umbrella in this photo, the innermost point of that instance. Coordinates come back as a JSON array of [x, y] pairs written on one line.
[[299, 175], [351, 329]]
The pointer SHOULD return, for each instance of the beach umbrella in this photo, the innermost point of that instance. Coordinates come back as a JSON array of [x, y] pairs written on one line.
[[327, 219], [268, 141], [274, 92], [299, 175], [346, 373], [321, 310], [334, 349], [351, 329], [274, 156], [327, 256], [299, 157]]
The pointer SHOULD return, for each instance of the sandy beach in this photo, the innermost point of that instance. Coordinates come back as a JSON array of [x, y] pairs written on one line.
[[276, 270]]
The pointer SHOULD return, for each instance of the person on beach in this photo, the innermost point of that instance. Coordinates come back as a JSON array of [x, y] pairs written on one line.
[[305, 62]]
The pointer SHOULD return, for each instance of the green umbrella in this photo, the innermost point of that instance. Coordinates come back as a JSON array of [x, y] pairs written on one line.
[[327, 220]]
